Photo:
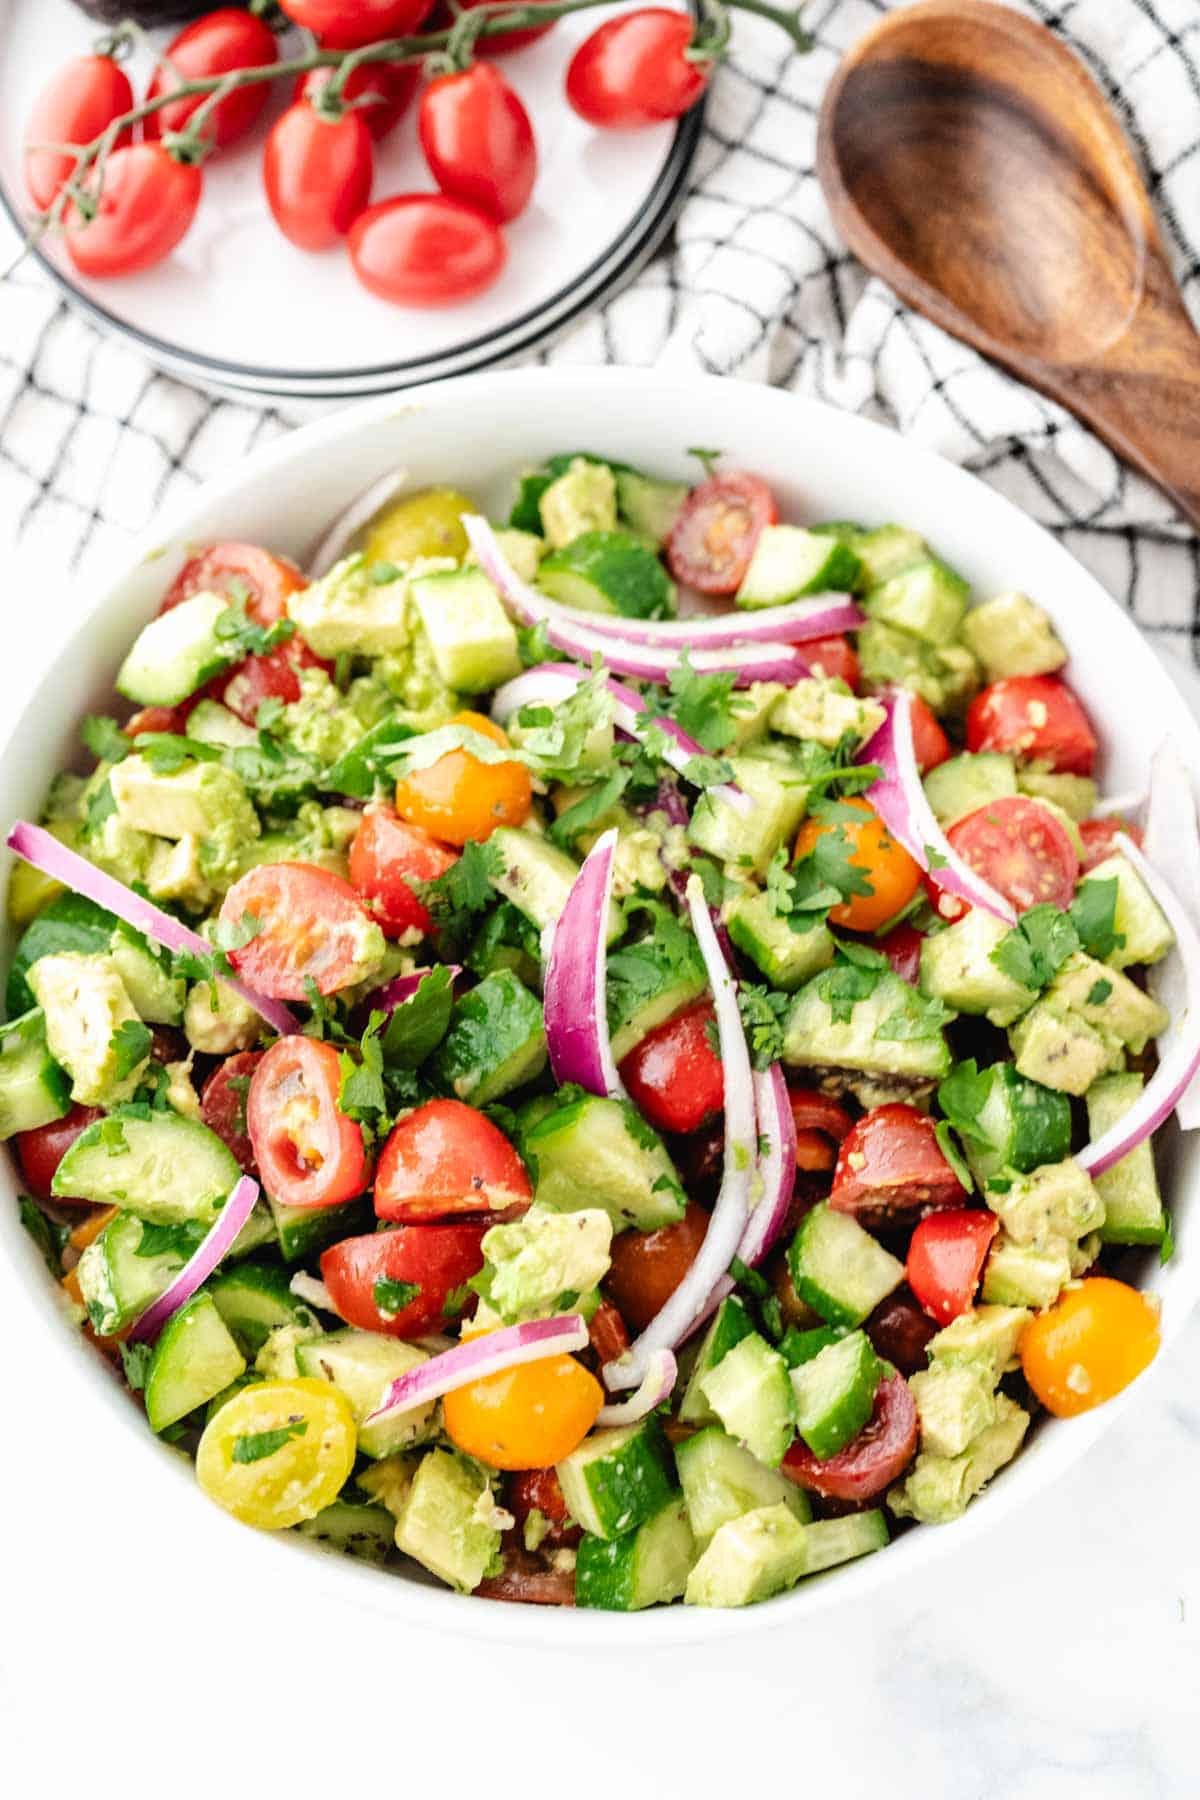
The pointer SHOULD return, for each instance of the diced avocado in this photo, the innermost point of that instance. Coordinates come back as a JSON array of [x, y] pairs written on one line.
[[646, 986], [389, 1480], [174, 873], [536, 1264], [276, 1361], [957, 967], [597, 1152], [609, 572], [362, 1365], [750, 1391], [471, 637], [177, 652], [68, 922], [1011, 635], [118, 1275], [1024, 1124], [34, 1089], [1062, 1051], [825, 711], [320, 726], [537, 877], [955, 1402], [352, 1528], [1133, 1204], [964, 783], [721, 1481], [1109, 1001], [584, 499], [939, 1488], [158, 1165], [864, 1041], [928, 598], [218, 1024], [886, 551], [1075, 795], [787, 958], [944, 677], [750, 1558], [789, 561], [1025, 1274], [427, 523], [521, 550], [986, 1334], [730, 1324], [750, 839], [1058, 1200], [617, 1479], [444, 1523], [193, 1360], [646, 1567], [496, 1041], [86, 1005], [350, 612], [1138, 917], [835, 1393], [202, 799], [750, 713], [649, 506], [838, 1269], [211, 723], [157, 995]]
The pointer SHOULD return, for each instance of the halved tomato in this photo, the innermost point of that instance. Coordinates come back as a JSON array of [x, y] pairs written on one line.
[[871, 1461], [224, 1102], [311, 926], [385, 857], [446, 1159], [1019, 848], [1037, 718], [308, 1153], [398, 1281], [891, 1166]]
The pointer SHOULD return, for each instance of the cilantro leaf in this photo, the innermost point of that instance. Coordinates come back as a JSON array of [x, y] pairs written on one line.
[[1098, 992], [1037, 946], [129, 1045], [135, 1359], [707, 771], [362, 1095], [45, 1232], [590, 807], [1093, 912], [763, 1012], [853, 977], [105, 739], [962, 1096], [919, 1017], [555, 740], [949, 1148], [239, 636], [169, 1240], [255, 1445], [797, 894], [101, 806], [703, 705], [166, 753], [391, 1297], [417, 1026], [466, 886]]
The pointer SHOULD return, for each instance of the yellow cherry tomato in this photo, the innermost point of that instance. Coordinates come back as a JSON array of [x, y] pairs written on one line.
[[424, 524], [278, 1452], [459, 798], [1089, 1345], [891, 871], [527, 1417]]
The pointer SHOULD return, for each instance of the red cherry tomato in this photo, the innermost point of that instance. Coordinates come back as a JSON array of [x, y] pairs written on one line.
[[900, 1331], [1019, 848], [426, 250], [890, 1166], [317, 173], [713, 538], [146, 205], [309, 1153], [347, 24], [40, 1152], [607, 1335], [446, 1159], [310, 927], [539, 1490], [385, 857], [274, 676], [821, 1124], [1098, 835], [239, 570], [1037, 718], [930, 743], [434, 1259], [647, 1266], [835, 657], [871, 1461], [945, 1260], [675, 1075], [78, 102], [478, 142], [510, 40], [224, 1103], [902, 947], [155, 718], [390, 85], [213, 44], [635, 71]]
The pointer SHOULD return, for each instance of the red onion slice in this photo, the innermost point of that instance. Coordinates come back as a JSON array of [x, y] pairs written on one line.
[[348, 524], [1172, 846], [201, 1263], [659, 1381], [732, 1210], [1179, 1046], [898, 796], [577, 980], [488, 1354], [44, 852]]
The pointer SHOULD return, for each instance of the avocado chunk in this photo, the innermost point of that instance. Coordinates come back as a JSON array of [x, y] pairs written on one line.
[[215, 1026], [362, 1365], [1011, 635], [595, 1152], [750, 839], [939, 1488], [496, 1041], [1058, 1200], [945, 676], [648, 506], [886, 550], [541, 1263], [957, 967], [203, 800], [825, 711], [750, 713], [872, 1039], [351, 611], [928, 599], [1061, 1050], [955, 1402], [521, 550], [751, 1393], [471, 638], [1026, 1274], [444, 1522], [87, 1008], [963, 784], [986, 1334], [584, 499], [1138, 918], [1133, 1206], [1075, 795], [788, 958], [750, 1558], [211, 723], [1108, 1001]]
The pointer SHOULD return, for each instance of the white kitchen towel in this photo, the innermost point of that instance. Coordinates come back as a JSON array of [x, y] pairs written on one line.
[[754, 283]]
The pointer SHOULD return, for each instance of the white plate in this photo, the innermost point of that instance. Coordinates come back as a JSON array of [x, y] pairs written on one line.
[[821, 464], [237, 306]]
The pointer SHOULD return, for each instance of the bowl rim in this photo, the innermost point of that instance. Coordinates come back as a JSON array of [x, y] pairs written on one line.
[[409, 1599]]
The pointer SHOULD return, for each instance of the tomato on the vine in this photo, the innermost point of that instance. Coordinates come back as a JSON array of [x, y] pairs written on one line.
[[381, 92], [426, 250], [635, 70], [146, 204], [478, 141], [347, 24], [213, 44], [78, 102], [510, 40], [317, 172]]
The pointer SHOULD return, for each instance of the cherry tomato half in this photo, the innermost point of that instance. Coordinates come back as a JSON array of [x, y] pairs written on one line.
[[890, 1166], [1019, 848], [931, 746], [675, 1075], [213, 44], [224, 1103], [902, 947], [539, 1490], [647, 1266], [146, 205], [432, 1260], [1037, 718], [1098, 835], [821, 1124], [385, 857], [382, 92], [272, 676], [317, 172], [426, 250], [78, 102], [155, 719], [461, 798], [239, 571], [945, 1260], [478, 142], [39, 1152], [871, 1461], [445, 1159], [308, 1152], [1096, 1338], [889, 871], [348, 24], [635, 70], [713, 537], [835, 657], [311, 926], [526, 1417]]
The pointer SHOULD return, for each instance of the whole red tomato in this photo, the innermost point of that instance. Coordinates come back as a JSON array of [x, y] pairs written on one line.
[[147, 202], [634, 71], [213, 45], [345, 24], [478, 141], [426, 250], [317, 172], [75, 106]]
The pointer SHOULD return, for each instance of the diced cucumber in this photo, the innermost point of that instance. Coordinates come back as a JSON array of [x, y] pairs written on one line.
[[34, 1089], [355, 1528], [832, 1541], [537, 877], [608, 572], [885, 551], [648, 985], [68, 922], [750, 839], [441, 1523], [598, 1152], [1012, 636], [647, 506], [787, 958], [646, 1567], [157, 995], [730, 1324], [1075, 795], [798, 1347], [254, 1299], [963, 784], [957, 967], [789, 561], [839, 1269], [1025, 1123], [813, 1037], [128, 1266], [721, 1480], [209, 722], [177, 652], [1138, 917], [303, 1230], [835, 1393], [750, 1558], [258, 1230], [751, 1393], [158, 1165], [617, 1479], [1133, 1206], [362, 1365], [496, 1041], [928, 598], [192, 1361], [471, 638]]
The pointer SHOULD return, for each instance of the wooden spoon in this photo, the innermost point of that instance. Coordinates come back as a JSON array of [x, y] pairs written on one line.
[[969, 159]]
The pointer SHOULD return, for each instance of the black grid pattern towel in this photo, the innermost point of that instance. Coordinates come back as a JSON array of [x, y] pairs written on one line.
[[755, 283]]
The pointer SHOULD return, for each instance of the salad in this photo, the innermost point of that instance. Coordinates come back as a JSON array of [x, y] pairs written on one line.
[[615, 1096]]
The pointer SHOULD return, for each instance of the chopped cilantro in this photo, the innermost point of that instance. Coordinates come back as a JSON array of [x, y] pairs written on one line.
[[948, 1145], [45, 1232], [934, 858], [391, 1297], [919, 1017], [362, 1095], [763, 1012], [706, 459], [962, 1096], [105, 739], [1167, 1247], [1093, 911], [166, 753], [555, 740], [169, 1240], [253, 1446], [101, 806], [382, 574], [456, 1300], [1098, 992], [417, 1026], [466, 886], [590, 807], [240, 636], [703, 705], [128, 1046], [1037, 946], [135, 1359]]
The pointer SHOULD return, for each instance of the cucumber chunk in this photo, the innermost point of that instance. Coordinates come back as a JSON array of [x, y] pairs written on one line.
[[731, 1323], [193, 1360], [34, 1089], [750, 839], [962, 784], [787, 958], [928, 599], [1133, 1206], [1026, 1125], [254, 1299], [721, 1481], [833, 1541], [598, 1152], [1138, 918], [835, 1392], [355, 1528], [647, 506], [798, 1347], [537, 877], [157, 996], [68, 922], [750, 1558], [496, 1041], [789, 561], [813, 1037], [158, 1165], [608, 572], [647, 986], [177, 652], [751, 1393], [957, 967], [839, 1269], [617, 1479], [645, 1567], [128, 1266], [362, 1365], [303, 1230]]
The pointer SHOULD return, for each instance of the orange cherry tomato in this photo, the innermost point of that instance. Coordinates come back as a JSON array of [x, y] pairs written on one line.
[[1089, 1345], [891, 871], [461, 799], [527, 1417]]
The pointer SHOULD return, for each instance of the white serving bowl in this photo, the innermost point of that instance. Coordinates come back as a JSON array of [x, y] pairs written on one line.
[[475, 433]]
